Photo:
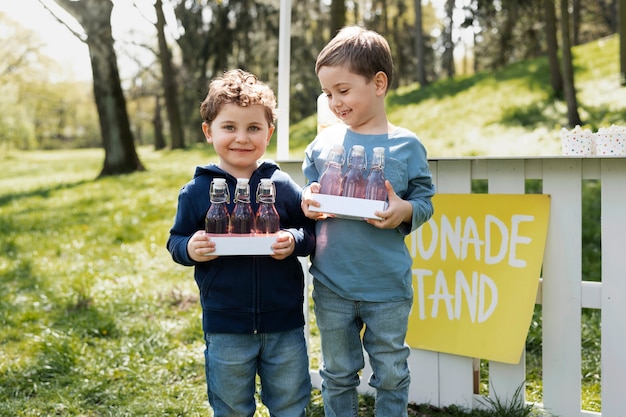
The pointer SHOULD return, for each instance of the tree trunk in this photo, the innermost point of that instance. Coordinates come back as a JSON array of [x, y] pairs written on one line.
[[511, 13], [568, 68], [448, 43], [119, 148], [419, 44], [576, 22], [170, 82], [157, 122], [556, 79], [337, 16], [204, 53], [622, 41]]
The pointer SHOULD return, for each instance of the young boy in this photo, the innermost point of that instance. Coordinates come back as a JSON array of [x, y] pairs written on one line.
[[252, 314], [362, 269]]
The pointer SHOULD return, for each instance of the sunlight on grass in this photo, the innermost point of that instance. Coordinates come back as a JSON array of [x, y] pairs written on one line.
[[108, 324], [96, 319]]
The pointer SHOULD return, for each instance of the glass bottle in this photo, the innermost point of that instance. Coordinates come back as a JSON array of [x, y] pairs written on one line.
[[375, 186], [217, 220], [267, 219], [354, 181], [330, 181], [242, 217]]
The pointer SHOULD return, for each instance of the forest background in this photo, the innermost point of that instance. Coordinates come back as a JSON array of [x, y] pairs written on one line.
[[157, 77]]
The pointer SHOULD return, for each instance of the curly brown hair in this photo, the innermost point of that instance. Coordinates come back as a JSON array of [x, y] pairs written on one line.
[[241, 88]]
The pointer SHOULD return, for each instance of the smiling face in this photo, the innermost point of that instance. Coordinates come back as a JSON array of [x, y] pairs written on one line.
[[353, 98], [240, 136]]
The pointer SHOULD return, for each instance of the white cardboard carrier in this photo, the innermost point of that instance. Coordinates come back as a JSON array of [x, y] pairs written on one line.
[[243, 245], [348, 207]]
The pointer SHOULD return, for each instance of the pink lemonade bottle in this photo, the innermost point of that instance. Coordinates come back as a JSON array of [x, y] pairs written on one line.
[[375, 187], [242, 217], [330, 181], [354, 180], [216, 222], [267, 218]]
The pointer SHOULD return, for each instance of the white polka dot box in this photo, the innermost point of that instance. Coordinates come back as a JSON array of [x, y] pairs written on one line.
[[607, 141]]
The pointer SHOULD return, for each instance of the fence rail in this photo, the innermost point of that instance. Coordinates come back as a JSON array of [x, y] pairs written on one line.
[[443, 379]]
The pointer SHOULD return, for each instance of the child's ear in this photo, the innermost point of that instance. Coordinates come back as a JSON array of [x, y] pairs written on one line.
[[206, 129], [381, 81], [270, 133]]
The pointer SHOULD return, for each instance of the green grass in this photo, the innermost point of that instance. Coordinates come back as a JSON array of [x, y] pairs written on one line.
[[96, 319]]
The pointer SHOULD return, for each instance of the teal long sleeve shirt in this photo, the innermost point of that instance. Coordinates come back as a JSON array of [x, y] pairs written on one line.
[[353, 258]]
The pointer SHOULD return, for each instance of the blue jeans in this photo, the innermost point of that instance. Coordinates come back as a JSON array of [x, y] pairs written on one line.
[[340, 322], [232, 362]]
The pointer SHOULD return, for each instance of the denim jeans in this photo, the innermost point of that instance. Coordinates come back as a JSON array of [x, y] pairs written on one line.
[[340, 322], [232, 362]]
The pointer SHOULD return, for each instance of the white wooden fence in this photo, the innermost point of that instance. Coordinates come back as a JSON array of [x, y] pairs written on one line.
[[443, 379]]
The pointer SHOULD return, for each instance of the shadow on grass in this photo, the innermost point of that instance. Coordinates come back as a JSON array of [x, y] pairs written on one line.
[[43, 192], [534, 73], [546, 113]]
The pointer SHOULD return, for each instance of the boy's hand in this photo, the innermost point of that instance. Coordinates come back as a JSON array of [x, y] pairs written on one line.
[[398, 211], [284, 246], [308, 199], [200, 247]]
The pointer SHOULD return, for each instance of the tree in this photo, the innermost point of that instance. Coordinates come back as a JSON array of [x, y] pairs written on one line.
[[556, 80], [94, 16], [622, 41], [569, 88], [510, 11], [448, 42], [159, 139], [419, 44], [170, 82], [337, 16]]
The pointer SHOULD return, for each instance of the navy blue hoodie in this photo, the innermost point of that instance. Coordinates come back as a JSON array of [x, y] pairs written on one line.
[[245, 294]]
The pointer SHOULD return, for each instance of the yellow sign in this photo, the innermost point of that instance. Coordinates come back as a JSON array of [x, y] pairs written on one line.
[[476, 269]]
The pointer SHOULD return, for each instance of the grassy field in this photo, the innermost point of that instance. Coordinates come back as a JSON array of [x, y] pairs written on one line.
[[96, 319]]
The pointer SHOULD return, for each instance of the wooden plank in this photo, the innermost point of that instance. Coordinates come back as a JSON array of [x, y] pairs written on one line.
[[456, 378], [591, 294], [479, 168], [506, 177], [424, 367], [533, 168], [591, 168], [455, 372], [454, 177], [561, 289], [613, 231]]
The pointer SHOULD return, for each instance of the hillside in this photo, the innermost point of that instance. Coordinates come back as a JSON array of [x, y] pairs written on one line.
[[505, 113]]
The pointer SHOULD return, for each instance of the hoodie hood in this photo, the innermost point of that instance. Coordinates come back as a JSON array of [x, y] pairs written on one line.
[[264, 170]]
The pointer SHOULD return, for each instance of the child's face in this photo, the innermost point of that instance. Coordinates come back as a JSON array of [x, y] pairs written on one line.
[[239, 136], [351, 97]]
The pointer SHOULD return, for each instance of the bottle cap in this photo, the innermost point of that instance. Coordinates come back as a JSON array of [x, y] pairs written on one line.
[[266, 191], [358, 150]]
